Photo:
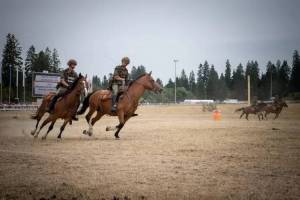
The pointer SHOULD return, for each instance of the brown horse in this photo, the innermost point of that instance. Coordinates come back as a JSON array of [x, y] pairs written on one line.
[[44, 105], [65, 107], [100, 101], [275, 108], [254, 109]]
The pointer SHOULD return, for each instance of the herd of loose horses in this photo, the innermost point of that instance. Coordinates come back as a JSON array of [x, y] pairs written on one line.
[[99, 101], [263, 109]]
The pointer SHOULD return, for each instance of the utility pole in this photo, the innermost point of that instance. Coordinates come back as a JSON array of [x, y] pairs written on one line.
[[249, 99], [24, 83], [17, 83], [9, 89], [175, 98]]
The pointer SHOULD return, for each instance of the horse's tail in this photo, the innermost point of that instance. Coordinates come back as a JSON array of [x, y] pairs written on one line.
[[85, 104], [40, 109], [240, 109]]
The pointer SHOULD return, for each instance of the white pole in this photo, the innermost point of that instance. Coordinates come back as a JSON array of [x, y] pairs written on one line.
[[175, 97], [249, 103], [24, 84], [9, 89], [1, 98], [17, 83]]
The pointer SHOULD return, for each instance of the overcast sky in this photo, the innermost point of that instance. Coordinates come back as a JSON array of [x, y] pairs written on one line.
[[154, 32]]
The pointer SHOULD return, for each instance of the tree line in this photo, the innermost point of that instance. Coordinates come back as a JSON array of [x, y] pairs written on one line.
[[203, 83], [35, 61]]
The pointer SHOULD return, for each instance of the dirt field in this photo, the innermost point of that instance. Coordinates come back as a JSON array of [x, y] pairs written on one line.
[[168, 152]]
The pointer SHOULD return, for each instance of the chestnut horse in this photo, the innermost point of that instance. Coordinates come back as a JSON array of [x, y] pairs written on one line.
[[275, 108], [65, 107], [44, 105], [100, 101]]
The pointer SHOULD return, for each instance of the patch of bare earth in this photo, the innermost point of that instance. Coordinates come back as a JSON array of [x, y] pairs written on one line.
[[168, 152]]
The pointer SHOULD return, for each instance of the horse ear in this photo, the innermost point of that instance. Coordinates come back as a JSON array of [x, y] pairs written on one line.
[[85, 76], [150, 73], [80, 75]]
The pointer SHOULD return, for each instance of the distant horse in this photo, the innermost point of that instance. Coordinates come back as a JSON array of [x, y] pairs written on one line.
[[45, 102], [65, 107], [275, 108], [100, 101], [254, 109]]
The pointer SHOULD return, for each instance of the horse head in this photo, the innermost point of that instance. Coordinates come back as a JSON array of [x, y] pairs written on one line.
[[150, 84], [79, 85]]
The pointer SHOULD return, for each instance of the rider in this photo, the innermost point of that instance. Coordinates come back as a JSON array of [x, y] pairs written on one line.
[[68, 76], [119, 81], [254, 101]]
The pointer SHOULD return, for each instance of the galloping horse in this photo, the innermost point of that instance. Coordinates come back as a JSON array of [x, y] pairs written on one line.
[[274, 108], [255, 109], [44, 105], [100, 101], [64, 108]]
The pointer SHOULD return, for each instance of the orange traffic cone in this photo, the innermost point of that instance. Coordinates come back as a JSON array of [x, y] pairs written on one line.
[[217, 115]]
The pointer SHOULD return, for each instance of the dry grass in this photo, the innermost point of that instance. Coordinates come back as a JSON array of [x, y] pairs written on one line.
[[168, 152]]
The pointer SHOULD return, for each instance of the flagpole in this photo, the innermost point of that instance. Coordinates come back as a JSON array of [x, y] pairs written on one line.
[[9, 89], [24, 84], [1, 97]]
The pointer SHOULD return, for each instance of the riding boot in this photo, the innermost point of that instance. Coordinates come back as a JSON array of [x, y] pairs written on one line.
[[52, 104], [114, 103]]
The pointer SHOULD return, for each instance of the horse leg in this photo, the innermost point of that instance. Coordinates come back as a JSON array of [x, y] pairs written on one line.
[[46, 121], [122, 120], [49, 129], [62, 128], [266, 115], [276, 116], [93, 121], [88, 119], [247, 116], [242, 114]]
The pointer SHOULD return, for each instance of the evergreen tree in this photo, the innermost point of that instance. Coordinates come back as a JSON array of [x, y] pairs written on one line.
[[253, 70], [283, 78], [200, 84], [294, 84], [183, 81], [105, 83], [222, 90], [55, 62], [205, 77], [192, 82], [212, 83], [11, 59], [96, 82], [170, 84], [29, 61], [239, 83], [228, 74], [133, 73]]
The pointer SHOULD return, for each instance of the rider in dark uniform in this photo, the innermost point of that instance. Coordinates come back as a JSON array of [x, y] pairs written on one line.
[[119, 81], [68, 76]]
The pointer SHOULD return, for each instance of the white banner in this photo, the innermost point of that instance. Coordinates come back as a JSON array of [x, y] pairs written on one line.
[[43, 83]]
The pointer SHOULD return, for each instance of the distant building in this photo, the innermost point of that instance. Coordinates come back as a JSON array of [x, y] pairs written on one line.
[[198, 101]]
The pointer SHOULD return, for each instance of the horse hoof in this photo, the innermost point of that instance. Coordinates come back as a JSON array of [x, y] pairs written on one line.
[[32, 132], [59, 137], [84, 132], [90, 133]]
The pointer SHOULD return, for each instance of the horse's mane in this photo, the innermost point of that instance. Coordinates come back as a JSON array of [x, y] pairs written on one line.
[[140, 76], [72, 86]]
